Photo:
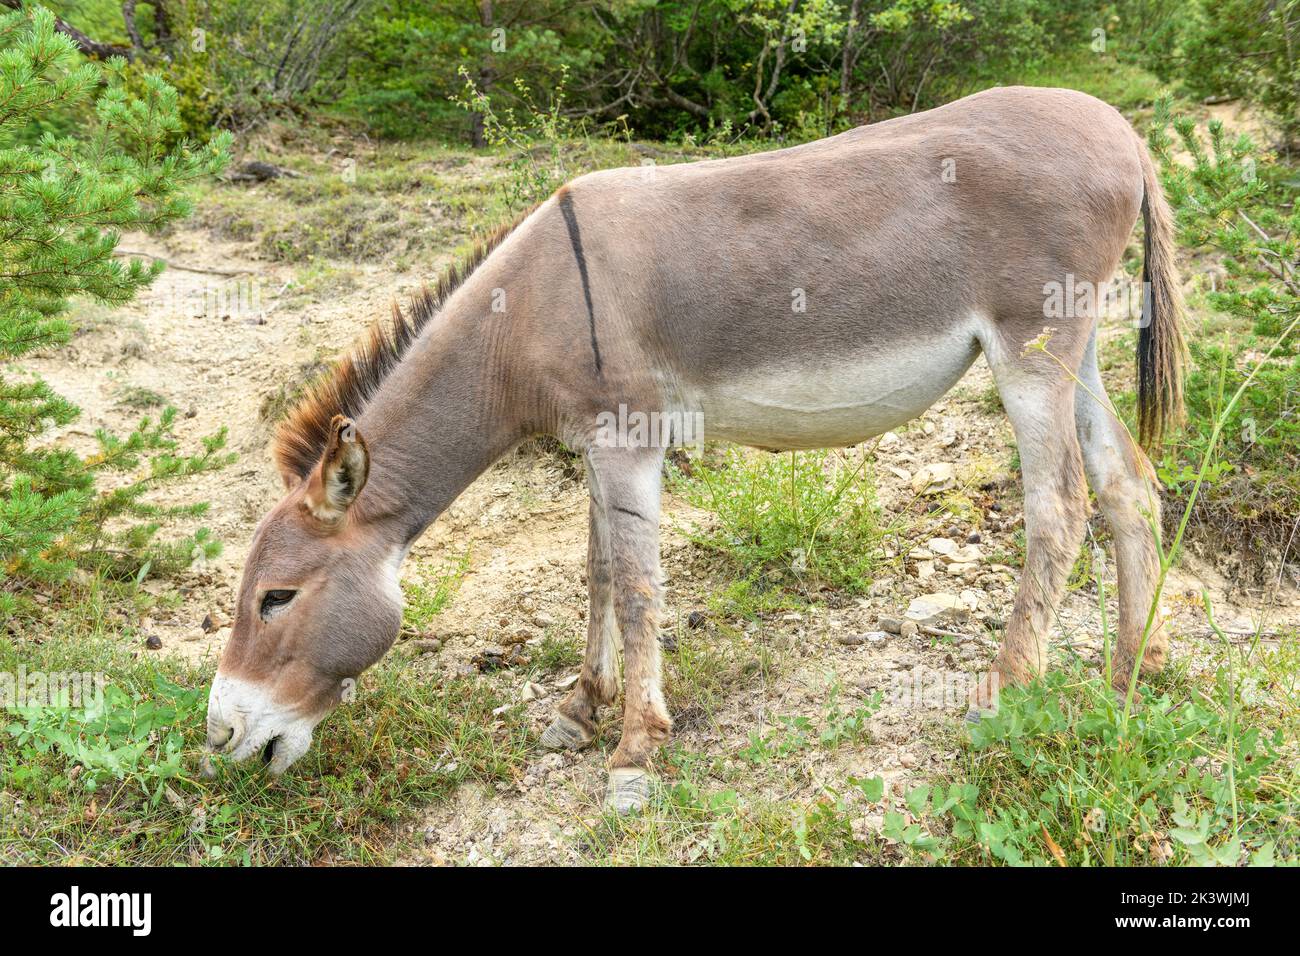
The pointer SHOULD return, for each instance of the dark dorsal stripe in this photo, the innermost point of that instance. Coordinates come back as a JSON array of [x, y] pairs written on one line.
[[575, 237]]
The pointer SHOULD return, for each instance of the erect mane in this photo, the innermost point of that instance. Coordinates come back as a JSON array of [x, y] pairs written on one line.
[[346, 387]]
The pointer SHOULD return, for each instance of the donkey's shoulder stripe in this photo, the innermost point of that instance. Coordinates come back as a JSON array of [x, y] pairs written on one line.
[[575, 237]]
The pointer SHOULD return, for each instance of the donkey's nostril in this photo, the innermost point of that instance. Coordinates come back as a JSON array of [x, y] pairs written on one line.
[[268, 752], [219, 734], [223, 735]]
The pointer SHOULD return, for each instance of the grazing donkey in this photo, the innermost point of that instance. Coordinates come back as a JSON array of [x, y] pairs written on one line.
[[912, 246]]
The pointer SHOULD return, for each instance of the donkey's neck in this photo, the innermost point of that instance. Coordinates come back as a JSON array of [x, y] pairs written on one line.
[[440, 419]]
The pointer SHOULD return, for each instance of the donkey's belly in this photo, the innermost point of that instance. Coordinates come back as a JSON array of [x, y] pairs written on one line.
[[831, 401]]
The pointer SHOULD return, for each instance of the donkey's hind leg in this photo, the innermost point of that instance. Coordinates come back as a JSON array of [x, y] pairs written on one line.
[[574, 725], [1120, 475], [1039, 398]]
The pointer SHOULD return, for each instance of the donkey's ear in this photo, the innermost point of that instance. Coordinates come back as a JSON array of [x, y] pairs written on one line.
[[290, 478], [342, 472]]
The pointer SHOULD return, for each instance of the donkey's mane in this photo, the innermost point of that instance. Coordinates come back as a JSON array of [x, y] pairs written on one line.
[[346, 387]]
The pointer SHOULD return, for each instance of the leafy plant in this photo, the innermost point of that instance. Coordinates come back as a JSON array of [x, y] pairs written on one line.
[[1246, 48], [426, 599], [1236, 204], [802, 518], [136, 739], [63, 201], [1058, 777]]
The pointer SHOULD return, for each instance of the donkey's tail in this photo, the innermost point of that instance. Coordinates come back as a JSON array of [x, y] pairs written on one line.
[[1161, 349]]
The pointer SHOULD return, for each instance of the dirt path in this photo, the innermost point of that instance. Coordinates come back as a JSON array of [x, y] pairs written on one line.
[[523, 525]]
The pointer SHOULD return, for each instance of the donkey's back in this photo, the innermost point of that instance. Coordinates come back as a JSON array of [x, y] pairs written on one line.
[[817, 295]]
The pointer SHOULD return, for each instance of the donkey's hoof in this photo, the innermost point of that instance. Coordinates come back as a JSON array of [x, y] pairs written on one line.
[[565, 733], [1121, 696], [628, 790]]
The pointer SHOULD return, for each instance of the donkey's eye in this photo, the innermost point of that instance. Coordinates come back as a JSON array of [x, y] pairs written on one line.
[[272, 601]]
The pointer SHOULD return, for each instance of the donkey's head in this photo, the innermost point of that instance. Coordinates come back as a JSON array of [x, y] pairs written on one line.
[[319, 604]]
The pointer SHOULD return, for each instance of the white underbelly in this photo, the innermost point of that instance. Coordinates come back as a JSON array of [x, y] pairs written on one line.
[[835, 400]]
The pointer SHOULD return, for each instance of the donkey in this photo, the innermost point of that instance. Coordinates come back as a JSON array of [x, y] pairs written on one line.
[[809, 297]]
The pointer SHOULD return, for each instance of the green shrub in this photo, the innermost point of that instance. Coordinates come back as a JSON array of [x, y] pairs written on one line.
[[1247, 48], [1235, 203], [798, 519], [62, 204], [1058, 776]]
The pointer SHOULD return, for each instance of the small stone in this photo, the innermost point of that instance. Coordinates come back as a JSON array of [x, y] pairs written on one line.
[[197, 634], [933, 478], [489, 659], [569, 681], [543, 620], [426, 645], [974, 538], [909, 629], [695, 620], [944, 546], [924, 569], [891, 624], [934, 609], [153, 642], [864, 637], [966, 554], [532, 691], [907, 761]]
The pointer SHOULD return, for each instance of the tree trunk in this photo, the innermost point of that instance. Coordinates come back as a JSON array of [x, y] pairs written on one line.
[[478, 132], [85, 44]]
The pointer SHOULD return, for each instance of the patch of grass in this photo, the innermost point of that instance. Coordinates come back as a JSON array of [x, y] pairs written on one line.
[[554, 652], [74, 789], [700, 819], [800, 519], [139, 398], [1122, 84], [800, 733], [427, 597], [990, 400], [320, 281], [751, 598], [705, 668], [1204, 772]]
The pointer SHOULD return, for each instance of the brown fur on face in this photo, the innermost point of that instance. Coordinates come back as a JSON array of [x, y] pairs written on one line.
[[345, 614]]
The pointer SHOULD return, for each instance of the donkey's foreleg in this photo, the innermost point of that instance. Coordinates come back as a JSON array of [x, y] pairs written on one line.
[[629, 481], [1039, 399], [574, 725]]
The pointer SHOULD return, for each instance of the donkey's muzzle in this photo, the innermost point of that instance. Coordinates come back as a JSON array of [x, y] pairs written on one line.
[[244, 720]]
